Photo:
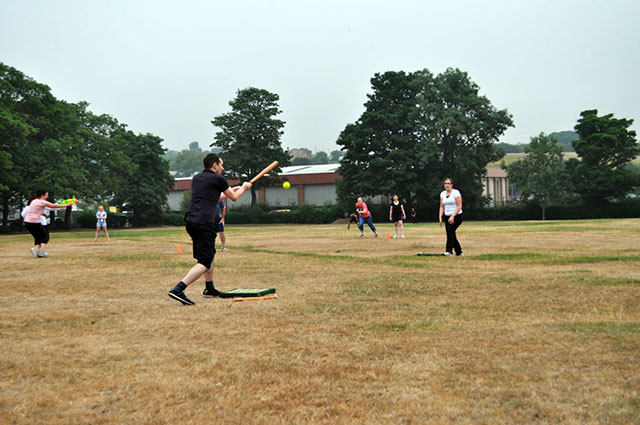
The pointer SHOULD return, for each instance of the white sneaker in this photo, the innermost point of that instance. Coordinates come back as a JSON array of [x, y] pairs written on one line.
[[402, 236], [395, 236], [34, 252], [43, 254], [447, 254], [460, 255], [224, 249]]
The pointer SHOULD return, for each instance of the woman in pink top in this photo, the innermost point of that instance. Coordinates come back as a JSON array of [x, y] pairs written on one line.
[[32, 222], [364, 217]]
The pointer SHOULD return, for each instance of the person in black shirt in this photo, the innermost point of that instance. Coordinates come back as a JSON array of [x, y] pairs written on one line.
[[397, 215], [207, 188]]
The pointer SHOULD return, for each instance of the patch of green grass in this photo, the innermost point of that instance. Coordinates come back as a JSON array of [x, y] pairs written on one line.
[[575, 272], [390, 326], [554, 259], [403, 326], [52, 324], [457, 310], [183, 265], [529, 256], [364, 290], [608, 281], [150, 233], [398, 260], [142, 256], [602, 328], [596, 259], [508, 279], [336, 308]]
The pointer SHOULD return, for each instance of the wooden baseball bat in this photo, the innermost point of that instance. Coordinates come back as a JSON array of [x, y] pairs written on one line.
[[265, 171], [266, 297]]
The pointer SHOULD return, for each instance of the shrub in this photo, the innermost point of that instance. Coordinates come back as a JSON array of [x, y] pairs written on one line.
[[173, 219], [305, 214], [87, 219], [625, 209]]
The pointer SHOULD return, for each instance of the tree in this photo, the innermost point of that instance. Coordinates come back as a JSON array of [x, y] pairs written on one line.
[[301, 161], [416, 130], [185, 202], [187, 162], [62, 147], [250, 134], [335, 156], [320, 158], [147, 187], [382, 152], [39, 135], [605, 147], [541, 174], [463, 127]]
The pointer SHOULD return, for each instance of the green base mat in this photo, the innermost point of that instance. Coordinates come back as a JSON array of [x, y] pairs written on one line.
[[247, 292], [426, 254]]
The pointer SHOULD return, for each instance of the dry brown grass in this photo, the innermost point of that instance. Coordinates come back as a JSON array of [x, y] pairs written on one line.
[[539, 323]]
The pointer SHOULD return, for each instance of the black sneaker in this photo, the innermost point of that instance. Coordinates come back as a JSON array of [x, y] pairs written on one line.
[[180, 296], [214, 293]]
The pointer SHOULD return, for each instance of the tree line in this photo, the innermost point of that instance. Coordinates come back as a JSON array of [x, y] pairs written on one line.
[[417, 129], [64, 148], [603, 171], [564, 139], [187, 162]]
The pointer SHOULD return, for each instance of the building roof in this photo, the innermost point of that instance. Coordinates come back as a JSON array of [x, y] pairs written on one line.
[[309, 169], [496, 172]]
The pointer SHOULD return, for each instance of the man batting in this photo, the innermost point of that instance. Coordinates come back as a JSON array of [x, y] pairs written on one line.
[[207, 188]]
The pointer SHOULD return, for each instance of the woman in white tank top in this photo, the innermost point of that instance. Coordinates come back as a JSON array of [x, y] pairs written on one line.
[[451, 214]]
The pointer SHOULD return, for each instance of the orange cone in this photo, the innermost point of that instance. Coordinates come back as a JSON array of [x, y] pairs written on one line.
[[388, 235], [179, 250]]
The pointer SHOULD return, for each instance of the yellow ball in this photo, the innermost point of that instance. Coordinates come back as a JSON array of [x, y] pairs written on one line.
[[286, 185]]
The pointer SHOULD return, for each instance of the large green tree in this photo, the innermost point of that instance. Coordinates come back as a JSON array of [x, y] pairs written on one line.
[[38, 135], [54, 145], [147, 186], [62, 147], [250, 134], [605, 147], [320, 157], [416, 130], [188, 161], [541, 175], [382, 150]]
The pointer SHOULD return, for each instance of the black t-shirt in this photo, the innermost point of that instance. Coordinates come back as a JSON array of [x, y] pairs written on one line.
[[396, 209], [206, 188]]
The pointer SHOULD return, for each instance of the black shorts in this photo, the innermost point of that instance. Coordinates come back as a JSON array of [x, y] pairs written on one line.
[[203, 236], [39, 232], [395, 217]]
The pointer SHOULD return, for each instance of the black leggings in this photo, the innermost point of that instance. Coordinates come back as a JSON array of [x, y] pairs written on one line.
[[452, 241], [39, 232]]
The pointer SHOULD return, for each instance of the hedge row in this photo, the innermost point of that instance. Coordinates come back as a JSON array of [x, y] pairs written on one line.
[[87, 219], [626, 209], [310, 214], [305, 214]]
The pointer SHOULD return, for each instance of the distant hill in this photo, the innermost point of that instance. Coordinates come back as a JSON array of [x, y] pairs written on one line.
[[564, 139]]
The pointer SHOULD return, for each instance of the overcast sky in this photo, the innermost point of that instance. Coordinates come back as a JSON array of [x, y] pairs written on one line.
[[169, 67]]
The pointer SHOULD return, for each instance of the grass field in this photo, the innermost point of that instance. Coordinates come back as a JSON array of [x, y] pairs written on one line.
[[539, 323]]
